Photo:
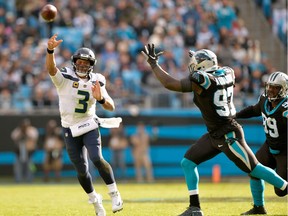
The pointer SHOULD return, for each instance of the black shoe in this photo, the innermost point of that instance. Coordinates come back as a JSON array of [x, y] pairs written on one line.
[[192, 211], [256, 210]]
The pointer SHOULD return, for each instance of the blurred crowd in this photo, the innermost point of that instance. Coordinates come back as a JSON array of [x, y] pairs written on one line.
[[275, 11], [117, 31]]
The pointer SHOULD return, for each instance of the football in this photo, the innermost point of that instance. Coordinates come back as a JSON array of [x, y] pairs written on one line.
[[49, 12]]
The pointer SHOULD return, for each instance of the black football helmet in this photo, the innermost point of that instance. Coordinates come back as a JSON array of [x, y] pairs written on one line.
[[84, 54]]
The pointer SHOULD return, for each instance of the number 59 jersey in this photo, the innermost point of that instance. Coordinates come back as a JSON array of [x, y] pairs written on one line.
[[76, 102], [275, 122]]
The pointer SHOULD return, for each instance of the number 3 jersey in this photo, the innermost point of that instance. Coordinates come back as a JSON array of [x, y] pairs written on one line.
[[76, 102], [213, 95], [274, 120]]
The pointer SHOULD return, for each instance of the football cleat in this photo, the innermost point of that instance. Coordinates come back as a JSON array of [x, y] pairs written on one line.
[[117, 202], [98, 205], [192, 211], [256, 210]]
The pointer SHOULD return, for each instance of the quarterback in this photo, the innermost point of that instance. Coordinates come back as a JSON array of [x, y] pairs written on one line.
[[78, 90]]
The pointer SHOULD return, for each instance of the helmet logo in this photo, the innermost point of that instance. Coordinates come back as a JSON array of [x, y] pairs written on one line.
[[204, 60]]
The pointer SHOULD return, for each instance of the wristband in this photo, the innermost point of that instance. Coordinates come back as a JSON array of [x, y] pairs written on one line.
[[50, 51], [102, 101]]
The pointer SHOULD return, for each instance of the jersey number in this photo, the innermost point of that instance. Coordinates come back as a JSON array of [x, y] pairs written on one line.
[[270, 126], [82, 102], [223, 100]]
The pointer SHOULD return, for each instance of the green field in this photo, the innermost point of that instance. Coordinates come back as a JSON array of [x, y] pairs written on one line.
[[157, 199]]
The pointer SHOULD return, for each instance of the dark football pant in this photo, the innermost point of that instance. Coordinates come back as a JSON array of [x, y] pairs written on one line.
[[77, 149], [233, 145]]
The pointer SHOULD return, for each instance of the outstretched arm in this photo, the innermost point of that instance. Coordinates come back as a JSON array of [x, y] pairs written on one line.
[[166, 80], [50, 59], [249, 112]]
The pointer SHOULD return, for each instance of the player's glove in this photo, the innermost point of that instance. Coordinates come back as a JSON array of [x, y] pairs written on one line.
[[150, 53]]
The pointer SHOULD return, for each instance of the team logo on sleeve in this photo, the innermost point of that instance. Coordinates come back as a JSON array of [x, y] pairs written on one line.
[[63, 70], [75, 85]]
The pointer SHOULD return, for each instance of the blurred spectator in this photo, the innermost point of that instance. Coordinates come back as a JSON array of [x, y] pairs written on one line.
[[5, 100], [226, 15], [141, 153], [117, 33], [118, 143], [53, 147], [25, 137]]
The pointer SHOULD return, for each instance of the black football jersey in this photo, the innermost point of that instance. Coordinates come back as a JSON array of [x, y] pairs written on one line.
[[215, 99], [274, 120]]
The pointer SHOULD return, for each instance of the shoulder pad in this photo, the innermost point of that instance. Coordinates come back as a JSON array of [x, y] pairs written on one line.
[[219, 72], [227, 69], [99, 77], [262, 96]]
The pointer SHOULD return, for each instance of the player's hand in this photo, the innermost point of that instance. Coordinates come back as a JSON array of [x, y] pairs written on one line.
[[53, 42], [150, 53], [96, 91]]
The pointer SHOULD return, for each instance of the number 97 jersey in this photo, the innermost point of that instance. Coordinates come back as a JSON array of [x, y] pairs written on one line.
[[216, 98]]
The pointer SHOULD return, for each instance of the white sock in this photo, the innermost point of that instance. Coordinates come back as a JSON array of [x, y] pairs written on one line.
[[112, 187], [92, 196]]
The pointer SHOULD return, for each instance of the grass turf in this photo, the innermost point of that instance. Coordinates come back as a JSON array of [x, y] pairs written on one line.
[[157, 199]]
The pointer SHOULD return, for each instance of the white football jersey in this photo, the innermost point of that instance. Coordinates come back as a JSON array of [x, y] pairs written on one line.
[[76, 102]]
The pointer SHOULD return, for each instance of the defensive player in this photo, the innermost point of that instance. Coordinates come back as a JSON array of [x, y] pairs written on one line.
[[79, 89], [213, 94], [272, 106]]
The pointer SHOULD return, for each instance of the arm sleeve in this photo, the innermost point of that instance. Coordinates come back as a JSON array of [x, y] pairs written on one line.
[[197, 76], [57, 79], [248, 112]]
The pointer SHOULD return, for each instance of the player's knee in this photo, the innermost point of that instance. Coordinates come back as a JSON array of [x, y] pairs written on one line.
[[81, 168], [252, 177], [82, 173], [185, 163], [280, 193], [99, 163]]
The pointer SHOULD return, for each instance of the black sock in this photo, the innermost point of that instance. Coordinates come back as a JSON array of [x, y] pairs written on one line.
[[194, 200]]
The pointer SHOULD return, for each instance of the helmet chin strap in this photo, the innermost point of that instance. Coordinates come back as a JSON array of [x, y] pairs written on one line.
[[273, 99]]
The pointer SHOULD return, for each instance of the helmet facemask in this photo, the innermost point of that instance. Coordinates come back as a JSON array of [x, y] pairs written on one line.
[[86, 54], [82, 70]]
